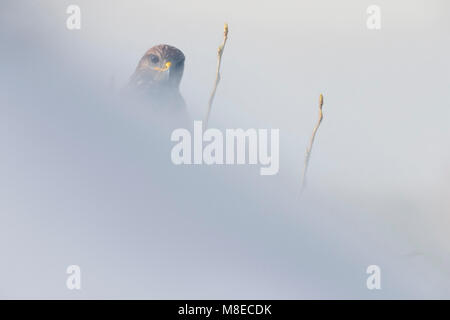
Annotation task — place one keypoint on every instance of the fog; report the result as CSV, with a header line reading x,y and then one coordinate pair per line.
x,y
86,181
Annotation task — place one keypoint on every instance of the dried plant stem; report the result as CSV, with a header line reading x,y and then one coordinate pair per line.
x,y
311,143
216,82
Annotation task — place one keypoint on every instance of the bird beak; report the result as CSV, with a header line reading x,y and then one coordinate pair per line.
x,y
163,73
165,68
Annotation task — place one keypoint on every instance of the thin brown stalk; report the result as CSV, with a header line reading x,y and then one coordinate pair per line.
x,y
311,143
216,82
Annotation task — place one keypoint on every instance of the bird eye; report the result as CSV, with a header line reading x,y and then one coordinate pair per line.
x,y
154,59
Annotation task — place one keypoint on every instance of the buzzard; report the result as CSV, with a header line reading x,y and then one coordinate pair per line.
x,y
157,77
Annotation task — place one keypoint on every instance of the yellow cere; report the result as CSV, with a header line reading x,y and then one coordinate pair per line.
x,y
166,67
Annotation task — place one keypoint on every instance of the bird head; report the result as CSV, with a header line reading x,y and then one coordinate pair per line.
x,y
159,70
